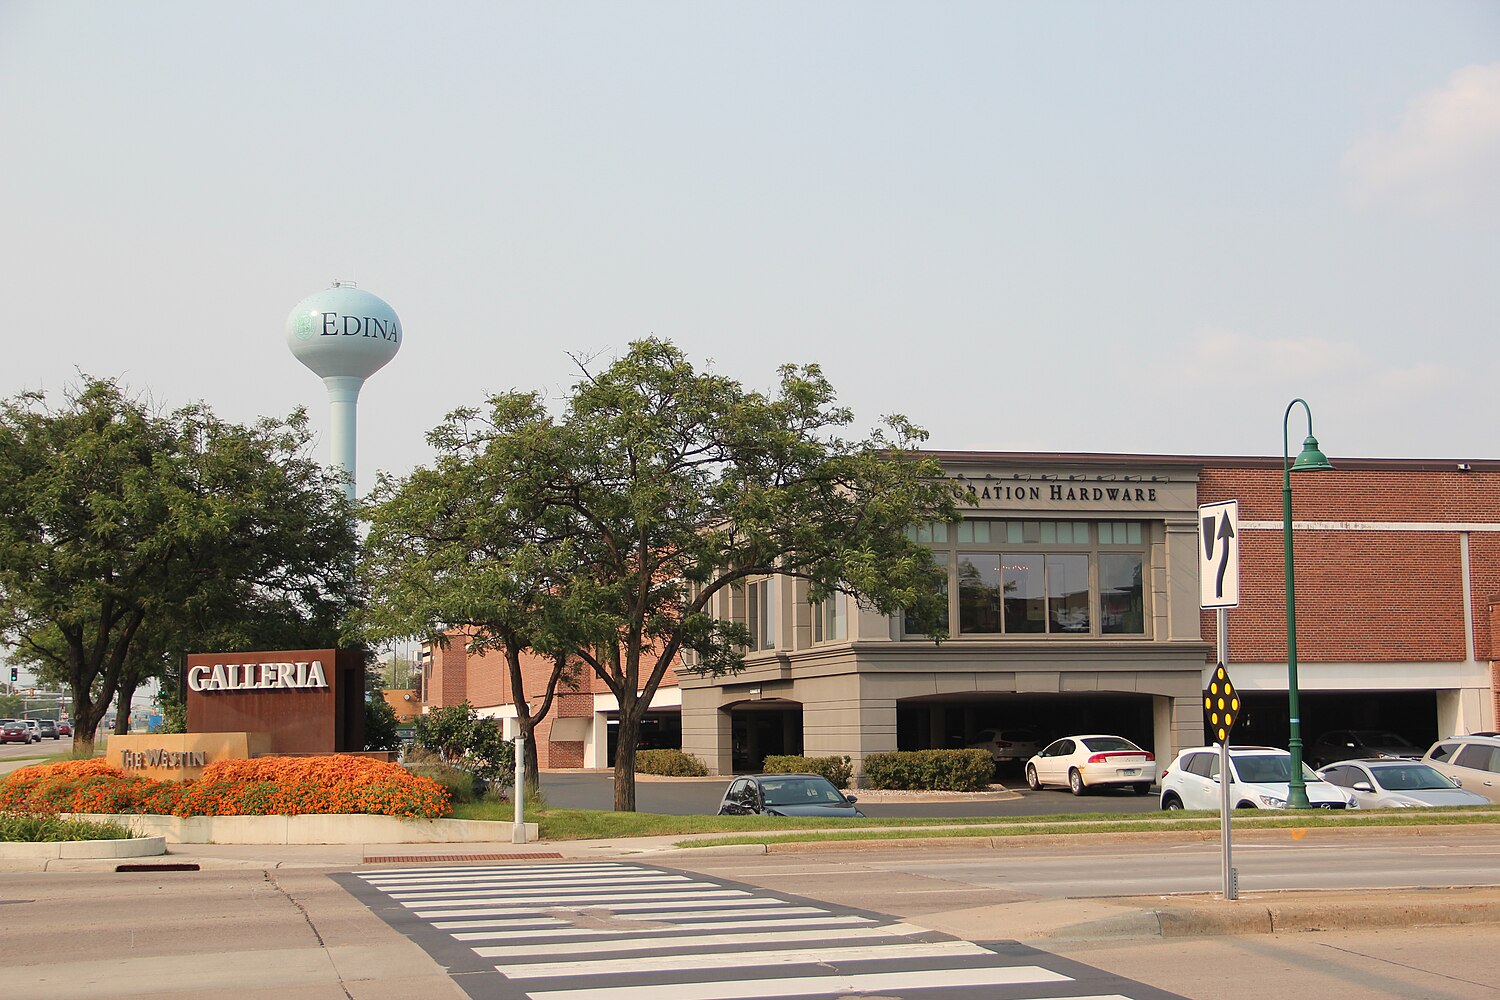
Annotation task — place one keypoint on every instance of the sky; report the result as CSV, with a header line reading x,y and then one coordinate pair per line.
x,y
1105,227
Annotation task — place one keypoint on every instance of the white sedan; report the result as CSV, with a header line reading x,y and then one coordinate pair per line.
x,y
1084,762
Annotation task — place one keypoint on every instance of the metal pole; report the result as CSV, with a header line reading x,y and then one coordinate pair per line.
x,y
1296,797
518,792
1231,884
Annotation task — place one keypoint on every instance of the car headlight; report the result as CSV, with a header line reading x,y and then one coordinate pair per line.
x,y
1272,801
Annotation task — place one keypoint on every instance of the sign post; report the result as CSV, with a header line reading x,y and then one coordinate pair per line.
x,y
518,792
1219,588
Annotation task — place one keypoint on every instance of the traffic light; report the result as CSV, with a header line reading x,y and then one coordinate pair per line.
x,y
14,675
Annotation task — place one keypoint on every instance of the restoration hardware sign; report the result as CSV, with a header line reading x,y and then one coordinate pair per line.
x,y
257,676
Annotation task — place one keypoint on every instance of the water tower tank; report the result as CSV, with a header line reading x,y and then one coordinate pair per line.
x,y
345,335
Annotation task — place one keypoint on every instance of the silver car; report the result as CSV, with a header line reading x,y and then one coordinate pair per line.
x,y
1397,784
1473,762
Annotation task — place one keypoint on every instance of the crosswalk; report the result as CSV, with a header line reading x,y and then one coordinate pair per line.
x,y
619,931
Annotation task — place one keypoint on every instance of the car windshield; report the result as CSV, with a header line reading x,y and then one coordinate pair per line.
x,y
1104,744
800,792
1269,768
1411,778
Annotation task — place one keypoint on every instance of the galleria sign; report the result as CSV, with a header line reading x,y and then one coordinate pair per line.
x,y
257,676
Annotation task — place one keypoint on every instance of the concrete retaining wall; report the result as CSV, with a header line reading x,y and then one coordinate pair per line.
x,y
135,847
328,828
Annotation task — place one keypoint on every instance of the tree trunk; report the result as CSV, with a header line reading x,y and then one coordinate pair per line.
x,y
122,708
527,727
630,735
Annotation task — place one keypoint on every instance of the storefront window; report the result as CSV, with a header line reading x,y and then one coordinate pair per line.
x,y
1122,609
1068,593
830,620
979,593
941,559
760,613
1025,597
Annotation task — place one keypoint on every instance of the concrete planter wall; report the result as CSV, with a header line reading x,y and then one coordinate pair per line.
x,y
135,847
328,828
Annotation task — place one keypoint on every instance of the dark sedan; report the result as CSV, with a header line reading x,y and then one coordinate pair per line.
x,y
786,795
1347,744
47,728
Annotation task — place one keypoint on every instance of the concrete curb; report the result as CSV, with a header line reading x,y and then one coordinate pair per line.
x,y
133,847
316,829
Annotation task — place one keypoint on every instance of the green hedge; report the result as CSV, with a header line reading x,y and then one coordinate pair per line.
x,y
836,769
941,770
674,763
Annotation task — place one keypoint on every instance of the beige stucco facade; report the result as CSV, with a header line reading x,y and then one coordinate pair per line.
x,y
856,692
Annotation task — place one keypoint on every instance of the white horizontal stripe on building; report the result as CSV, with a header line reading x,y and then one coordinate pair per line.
x,y
1445,526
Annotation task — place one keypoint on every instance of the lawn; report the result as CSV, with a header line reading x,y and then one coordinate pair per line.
x,y
593,824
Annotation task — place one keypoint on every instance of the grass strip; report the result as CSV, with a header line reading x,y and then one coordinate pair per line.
x,y
1034,826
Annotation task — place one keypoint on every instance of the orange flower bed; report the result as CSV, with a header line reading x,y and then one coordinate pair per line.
x,y
264,786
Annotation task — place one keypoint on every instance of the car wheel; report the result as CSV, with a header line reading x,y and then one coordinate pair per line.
x,y
1075,782
1142,788
1172,803
1031,778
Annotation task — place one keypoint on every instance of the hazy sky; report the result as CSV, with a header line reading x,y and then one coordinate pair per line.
x,y
1137,227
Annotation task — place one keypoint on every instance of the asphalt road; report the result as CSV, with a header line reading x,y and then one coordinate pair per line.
x,y
701,796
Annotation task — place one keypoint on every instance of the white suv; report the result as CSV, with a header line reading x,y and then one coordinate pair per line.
x,y
1261,778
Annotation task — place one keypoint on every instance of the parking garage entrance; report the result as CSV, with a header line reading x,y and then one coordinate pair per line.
x,y
1411,714
761,729
945,722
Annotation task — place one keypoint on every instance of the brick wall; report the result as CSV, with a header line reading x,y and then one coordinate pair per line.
x,y
1362,596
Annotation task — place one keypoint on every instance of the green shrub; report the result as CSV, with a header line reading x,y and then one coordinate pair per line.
x,y
34,828
670,762
459,781
836,769
938,770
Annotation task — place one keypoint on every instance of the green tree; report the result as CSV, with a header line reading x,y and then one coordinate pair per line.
x,y
129,537
660,485
455,554
380,723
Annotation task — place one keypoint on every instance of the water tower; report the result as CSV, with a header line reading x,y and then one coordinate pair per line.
x,y
345,335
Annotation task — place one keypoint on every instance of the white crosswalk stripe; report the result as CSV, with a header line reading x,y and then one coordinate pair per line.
x,y
616,931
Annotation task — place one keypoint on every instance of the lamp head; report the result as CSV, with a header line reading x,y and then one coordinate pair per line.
x,y
1311,459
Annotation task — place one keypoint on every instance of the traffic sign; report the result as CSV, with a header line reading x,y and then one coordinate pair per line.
x,y
1221,706
1219,554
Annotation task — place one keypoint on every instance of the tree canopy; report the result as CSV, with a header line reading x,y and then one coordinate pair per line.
x,y
129,536
657,487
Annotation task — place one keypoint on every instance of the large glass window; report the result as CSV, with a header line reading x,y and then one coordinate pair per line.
x,y
941,559
979,593
760,613
1068,593
1025,593
830,621
1122,605
1062,578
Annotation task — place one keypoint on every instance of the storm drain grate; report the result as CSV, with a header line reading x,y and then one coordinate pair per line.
x,y
386,859
181,866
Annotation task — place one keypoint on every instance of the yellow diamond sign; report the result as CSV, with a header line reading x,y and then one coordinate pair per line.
x,y
1221,706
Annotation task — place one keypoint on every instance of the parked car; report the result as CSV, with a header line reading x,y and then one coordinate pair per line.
x,y
47,728
1473,762
12,731
786,795
1384,783
1261,778
1084,762
1348,744
1007,746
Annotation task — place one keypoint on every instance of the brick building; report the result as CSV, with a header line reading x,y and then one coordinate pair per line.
x,y
579,730
1074,607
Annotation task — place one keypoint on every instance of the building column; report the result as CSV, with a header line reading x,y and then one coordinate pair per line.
x,y
707,730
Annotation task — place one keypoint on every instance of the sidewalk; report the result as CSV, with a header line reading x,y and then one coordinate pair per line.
x,y
1038,921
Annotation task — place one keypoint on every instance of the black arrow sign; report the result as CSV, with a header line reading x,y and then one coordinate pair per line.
x,y
1225,533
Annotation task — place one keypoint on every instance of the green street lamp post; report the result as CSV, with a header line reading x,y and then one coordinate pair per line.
x,y
1310,460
